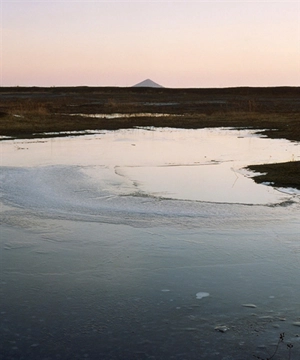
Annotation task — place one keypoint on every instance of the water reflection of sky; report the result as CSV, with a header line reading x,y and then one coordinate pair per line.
x,y
114,275
203,165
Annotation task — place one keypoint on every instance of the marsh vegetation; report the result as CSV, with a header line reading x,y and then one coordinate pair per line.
x,y
273,112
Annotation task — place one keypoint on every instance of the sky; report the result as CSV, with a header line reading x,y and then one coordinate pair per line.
x,y
178,44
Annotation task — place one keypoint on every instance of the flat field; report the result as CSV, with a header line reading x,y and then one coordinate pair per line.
x,y
274,112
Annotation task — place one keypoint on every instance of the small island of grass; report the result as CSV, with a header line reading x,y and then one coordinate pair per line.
x,y
286,175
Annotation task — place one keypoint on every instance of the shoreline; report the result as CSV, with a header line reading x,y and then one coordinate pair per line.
x,y
272,112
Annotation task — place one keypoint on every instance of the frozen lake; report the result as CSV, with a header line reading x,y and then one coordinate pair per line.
x,y
139,244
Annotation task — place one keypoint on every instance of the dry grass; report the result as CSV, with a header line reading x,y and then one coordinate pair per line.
x,y
280,175
26,108
241,107
24,112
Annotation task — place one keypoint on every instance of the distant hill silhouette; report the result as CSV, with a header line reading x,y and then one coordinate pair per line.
x,y
148,83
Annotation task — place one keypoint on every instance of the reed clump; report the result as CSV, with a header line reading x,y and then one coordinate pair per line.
x,y
280,343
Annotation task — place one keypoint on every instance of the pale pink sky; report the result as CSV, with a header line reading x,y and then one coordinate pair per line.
x,y
175,43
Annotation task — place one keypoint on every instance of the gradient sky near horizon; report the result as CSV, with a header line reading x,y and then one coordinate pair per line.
x,y
174,43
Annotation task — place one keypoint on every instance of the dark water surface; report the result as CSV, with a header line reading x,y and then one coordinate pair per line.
x,y
100,261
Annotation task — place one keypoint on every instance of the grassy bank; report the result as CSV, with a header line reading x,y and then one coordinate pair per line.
x,y
286,175
275,112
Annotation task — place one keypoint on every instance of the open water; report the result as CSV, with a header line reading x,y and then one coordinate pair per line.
x,y
147,244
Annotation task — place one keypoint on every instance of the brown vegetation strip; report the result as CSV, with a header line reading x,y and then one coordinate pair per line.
x,y
280,175
275,112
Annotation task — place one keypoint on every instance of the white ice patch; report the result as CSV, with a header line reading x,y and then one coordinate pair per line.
x,y
170,173
201,295
289,191
120,115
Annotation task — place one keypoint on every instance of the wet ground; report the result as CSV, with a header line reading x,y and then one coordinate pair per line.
x,y
25,111
52,112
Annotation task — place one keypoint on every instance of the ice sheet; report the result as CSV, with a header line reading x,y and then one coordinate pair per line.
x,y
201,165
107,240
